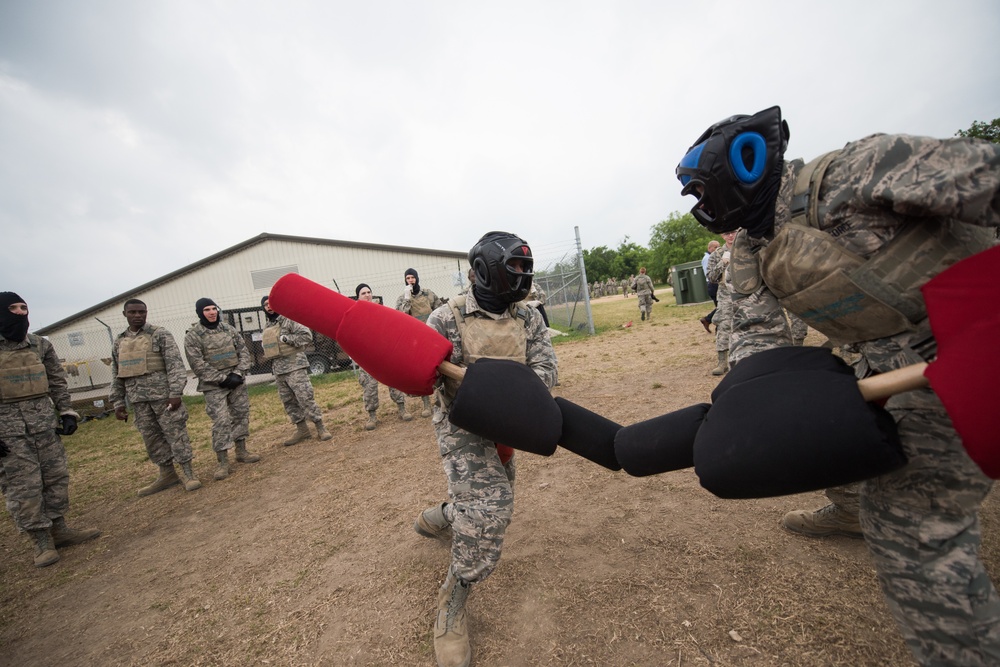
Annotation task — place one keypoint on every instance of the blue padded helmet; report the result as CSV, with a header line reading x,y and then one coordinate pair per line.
x,y
729,167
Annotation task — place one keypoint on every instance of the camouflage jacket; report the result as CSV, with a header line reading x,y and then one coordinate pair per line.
x,y
36,415
539,353
874,190
643,284
298,336
195,351
153,386
403,304
716,272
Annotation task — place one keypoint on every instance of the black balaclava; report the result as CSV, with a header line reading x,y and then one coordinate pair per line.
x,y
489,301
12,327
200,305
416,285
357,290
270,316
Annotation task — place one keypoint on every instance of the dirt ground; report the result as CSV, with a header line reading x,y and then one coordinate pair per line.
x,y
309,557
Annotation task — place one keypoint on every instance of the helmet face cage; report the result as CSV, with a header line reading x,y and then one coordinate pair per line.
x,y
491,261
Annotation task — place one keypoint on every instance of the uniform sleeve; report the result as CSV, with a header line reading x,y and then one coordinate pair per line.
x,y
58,385
117,396
436,301
242,354
298,335
443,321
716,269
176,372
540,355
758,324
403,304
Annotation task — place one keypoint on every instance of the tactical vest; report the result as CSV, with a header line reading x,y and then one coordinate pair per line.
x,y
487,338
136,356
843,295
22,375
273,347
219,349
420,306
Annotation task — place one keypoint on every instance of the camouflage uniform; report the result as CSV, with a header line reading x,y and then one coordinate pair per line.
x,y
921,522
33,475
480,488
290,368
798,328
369,387
644,290
418,305
163,431
212,359
717,274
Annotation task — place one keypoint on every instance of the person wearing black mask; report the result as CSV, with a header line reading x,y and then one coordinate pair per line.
x,y
34,477
489,322
219,358
419,303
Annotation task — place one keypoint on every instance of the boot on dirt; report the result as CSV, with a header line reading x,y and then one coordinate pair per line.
x,y
372,421
433,524
64,536
243,455
191,482
321,431
707,323
301,433
45,550
403,414
451,636
826,521
426,412
222,471
166,479
642,313
723,366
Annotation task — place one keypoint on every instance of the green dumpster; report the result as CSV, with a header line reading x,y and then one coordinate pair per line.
x,y
690,285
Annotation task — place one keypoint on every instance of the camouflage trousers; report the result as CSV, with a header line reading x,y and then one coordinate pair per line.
x,y
846,497
229,410
646,303
163,431
481,499
34,479
723,321
296,394
798,326
921,524
369,392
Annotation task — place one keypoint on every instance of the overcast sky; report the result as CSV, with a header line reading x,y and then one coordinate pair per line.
x,y
138,137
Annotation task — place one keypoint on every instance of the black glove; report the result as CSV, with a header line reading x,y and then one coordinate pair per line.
x,y
655,299
232,381
68,425
3,449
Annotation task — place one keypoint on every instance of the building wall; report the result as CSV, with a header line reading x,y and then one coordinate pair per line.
x,y
239,281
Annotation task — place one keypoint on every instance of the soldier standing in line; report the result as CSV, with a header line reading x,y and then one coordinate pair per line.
x,y
644,290
34,478
285,342
148,371
717,274
418,303
846,242
220,360
369,384
487,323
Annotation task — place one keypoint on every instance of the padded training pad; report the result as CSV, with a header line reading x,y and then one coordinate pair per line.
x,y
303,301
505,401
660,444
588,434
793,432
395,349
781,360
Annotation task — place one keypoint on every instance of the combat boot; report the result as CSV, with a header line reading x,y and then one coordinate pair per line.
x,y
166,479
707,323
723,366
432,523
64,536
372,421
191,482
222,470
426,412
244,456
451,635
642,314
321,431
826,521
301,433
45,550
403,414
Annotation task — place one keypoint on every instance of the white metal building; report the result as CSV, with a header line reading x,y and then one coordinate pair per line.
x,y
236,278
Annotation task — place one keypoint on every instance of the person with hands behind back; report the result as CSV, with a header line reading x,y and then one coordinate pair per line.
x,y
419,303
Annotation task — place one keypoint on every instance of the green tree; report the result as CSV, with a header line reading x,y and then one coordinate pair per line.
x,y
676,240
980,130
598,262
628,259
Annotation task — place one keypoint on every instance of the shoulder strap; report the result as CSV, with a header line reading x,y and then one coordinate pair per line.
x,y
804,208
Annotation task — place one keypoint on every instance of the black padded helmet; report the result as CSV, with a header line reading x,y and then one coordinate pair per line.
x,y
490,260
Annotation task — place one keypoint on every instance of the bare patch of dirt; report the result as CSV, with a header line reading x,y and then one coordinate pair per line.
x,y
309,557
